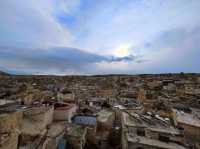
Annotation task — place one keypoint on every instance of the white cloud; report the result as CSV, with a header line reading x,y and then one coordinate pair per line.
x,y
66,6
119,28
31,23
112,66
112,23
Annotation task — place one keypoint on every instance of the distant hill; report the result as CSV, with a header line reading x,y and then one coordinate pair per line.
x,y
4,73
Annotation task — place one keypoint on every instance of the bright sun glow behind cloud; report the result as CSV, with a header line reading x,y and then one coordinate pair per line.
x,y
122,50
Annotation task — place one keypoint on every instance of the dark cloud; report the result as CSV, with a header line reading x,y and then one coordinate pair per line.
x,y
52,60
129,58
125,58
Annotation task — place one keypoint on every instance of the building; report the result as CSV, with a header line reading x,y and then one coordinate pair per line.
x,y
98,127
190,123
55,138
66,96
130,104
105,121
10,123
34,126
89,122
64,111
147,97
145,131
75,136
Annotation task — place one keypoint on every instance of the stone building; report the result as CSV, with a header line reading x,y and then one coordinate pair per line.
x,y
66,96
64,111
147,132
55,138
10,123
75,136
105,121
147,97
34,126
90,123
190,123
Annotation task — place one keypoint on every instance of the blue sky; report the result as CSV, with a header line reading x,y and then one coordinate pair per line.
x,y
99,36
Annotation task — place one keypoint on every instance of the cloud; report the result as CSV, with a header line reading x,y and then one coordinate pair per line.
x,y
66,7
31,23
105,25
114,67
57,60
105,36
129,58
174,50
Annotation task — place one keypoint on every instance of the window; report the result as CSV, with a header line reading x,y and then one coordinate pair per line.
x,y
140,132
99,143
163,138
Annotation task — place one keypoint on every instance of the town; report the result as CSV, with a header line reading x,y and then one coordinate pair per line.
x,y
151,111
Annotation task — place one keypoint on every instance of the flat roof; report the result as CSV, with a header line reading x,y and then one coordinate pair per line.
x,y
36,110
189,119
76,131
155,143
84,120
4,101
56,129
104,115
166,130
157,127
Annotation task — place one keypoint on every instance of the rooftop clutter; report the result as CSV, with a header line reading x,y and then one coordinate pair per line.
x,y
103,112
150,131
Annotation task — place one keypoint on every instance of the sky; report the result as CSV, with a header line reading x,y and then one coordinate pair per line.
x,y
72,37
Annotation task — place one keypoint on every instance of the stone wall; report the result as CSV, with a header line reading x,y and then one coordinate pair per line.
x,y
9,129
